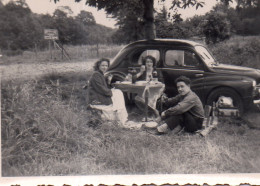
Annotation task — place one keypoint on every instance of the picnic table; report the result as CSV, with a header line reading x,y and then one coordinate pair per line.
x,y
149,92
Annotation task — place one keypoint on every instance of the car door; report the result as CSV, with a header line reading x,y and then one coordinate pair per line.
x,y
182,62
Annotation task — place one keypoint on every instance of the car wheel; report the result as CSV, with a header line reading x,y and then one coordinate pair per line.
x,y
227,92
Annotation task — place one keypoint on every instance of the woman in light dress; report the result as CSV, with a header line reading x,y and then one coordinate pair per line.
x,y
110,101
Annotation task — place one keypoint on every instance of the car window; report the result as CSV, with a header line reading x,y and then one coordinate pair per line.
x,y
140,54
174,58
205,55
181,58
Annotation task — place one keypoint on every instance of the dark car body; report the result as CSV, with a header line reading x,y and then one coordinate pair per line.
x,y
210,80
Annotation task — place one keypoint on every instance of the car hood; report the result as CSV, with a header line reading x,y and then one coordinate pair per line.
x,y
238,70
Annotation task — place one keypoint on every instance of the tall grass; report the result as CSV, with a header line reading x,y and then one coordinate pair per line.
x,y
76,53
47,130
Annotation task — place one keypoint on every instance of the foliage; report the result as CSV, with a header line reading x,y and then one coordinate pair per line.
x,y
242,51
86,18
141,10
20,30
175,27
216,27
23,29
219,24
244,20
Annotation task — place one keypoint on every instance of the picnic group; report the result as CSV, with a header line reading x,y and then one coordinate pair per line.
x,y
183,112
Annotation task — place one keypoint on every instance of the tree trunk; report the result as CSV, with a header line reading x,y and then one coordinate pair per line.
x,y
149,27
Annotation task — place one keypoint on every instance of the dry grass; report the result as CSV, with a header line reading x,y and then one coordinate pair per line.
x,y
76,53
47,130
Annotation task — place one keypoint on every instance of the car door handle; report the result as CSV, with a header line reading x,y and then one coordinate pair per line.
x,y
199,75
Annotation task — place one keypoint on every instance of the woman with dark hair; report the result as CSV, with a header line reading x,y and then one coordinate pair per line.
x,y
110,101
99,92
147,69
147,73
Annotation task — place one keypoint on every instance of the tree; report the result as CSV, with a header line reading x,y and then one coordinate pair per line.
x,y
113,7
86,18
216,27
21,29
163,26
244,19
129,23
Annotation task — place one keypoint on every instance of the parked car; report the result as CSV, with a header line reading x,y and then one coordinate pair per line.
x,y
210,79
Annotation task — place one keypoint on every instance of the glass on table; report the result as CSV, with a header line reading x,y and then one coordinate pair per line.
x,y
155,79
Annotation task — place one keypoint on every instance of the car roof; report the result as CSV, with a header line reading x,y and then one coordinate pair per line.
x,y
181,42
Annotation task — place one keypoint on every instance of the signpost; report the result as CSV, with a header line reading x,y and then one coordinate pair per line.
x,y
51,35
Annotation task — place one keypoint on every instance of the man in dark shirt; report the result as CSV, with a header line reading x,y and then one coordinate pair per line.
x,y
185,111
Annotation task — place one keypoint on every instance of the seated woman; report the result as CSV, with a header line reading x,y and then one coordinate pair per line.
x,y
147,73
110,101
147,69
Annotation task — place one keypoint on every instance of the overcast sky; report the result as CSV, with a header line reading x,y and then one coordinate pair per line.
x,y
48,6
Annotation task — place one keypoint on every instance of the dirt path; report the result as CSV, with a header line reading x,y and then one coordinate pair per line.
x,y
26,71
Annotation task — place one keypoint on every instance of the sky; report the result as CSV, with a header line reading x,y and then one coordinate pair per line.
x,y
48,6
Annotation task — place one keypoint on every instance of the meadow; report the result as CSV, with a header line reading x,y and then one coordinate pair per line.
x,y
46,129
75,53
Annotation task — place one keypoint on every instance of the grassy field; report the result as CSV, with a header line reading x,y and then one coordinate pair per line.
x,y
46,129
76,53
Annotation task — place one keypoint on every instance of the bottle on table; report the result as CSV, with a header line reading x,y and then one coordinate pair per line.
x,y
134,76
155,76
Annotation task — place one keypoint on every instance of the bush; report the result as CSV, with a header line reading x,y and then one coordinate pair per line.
x,y
242,51
216,28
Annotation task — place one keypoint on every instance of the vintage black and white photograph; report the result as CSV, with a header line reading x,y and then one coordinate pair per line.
x,y
129,87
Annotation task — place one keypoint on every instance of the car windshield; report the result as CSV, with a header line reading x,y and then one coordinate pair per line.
x,y
205,55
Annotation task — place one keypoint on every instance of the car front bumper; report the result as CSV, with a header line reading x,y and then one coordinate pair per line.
x,y
256,96
257,103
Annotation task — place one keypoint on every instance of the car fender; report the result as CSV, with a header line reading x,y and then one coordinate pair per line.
x,y
242,85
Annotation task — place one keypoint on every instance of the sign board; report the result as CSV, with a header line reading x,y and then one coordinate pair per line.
x,y
51,34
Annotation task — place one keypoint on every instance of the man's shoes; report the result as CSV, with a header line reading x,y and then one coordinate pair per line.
x,y
155,132
158,119
163,129
177,130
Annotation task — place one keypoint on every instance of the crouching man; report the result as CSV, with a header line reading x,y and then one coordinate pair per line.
x,y
185,111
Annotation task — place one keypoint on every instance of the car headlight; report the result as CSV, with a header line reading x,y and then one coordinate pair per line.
x,y
254,83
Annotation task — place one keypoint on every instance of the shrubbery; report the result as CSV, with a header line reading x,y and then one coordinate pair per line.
x,y
242,51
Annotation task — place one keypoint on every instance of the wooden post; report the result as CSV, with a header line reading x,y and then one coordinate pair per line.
x,y
62,51
50,48
35,49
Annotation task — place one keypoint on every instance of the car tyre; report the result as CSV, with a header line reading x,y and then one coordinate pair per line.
x,y
227,92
